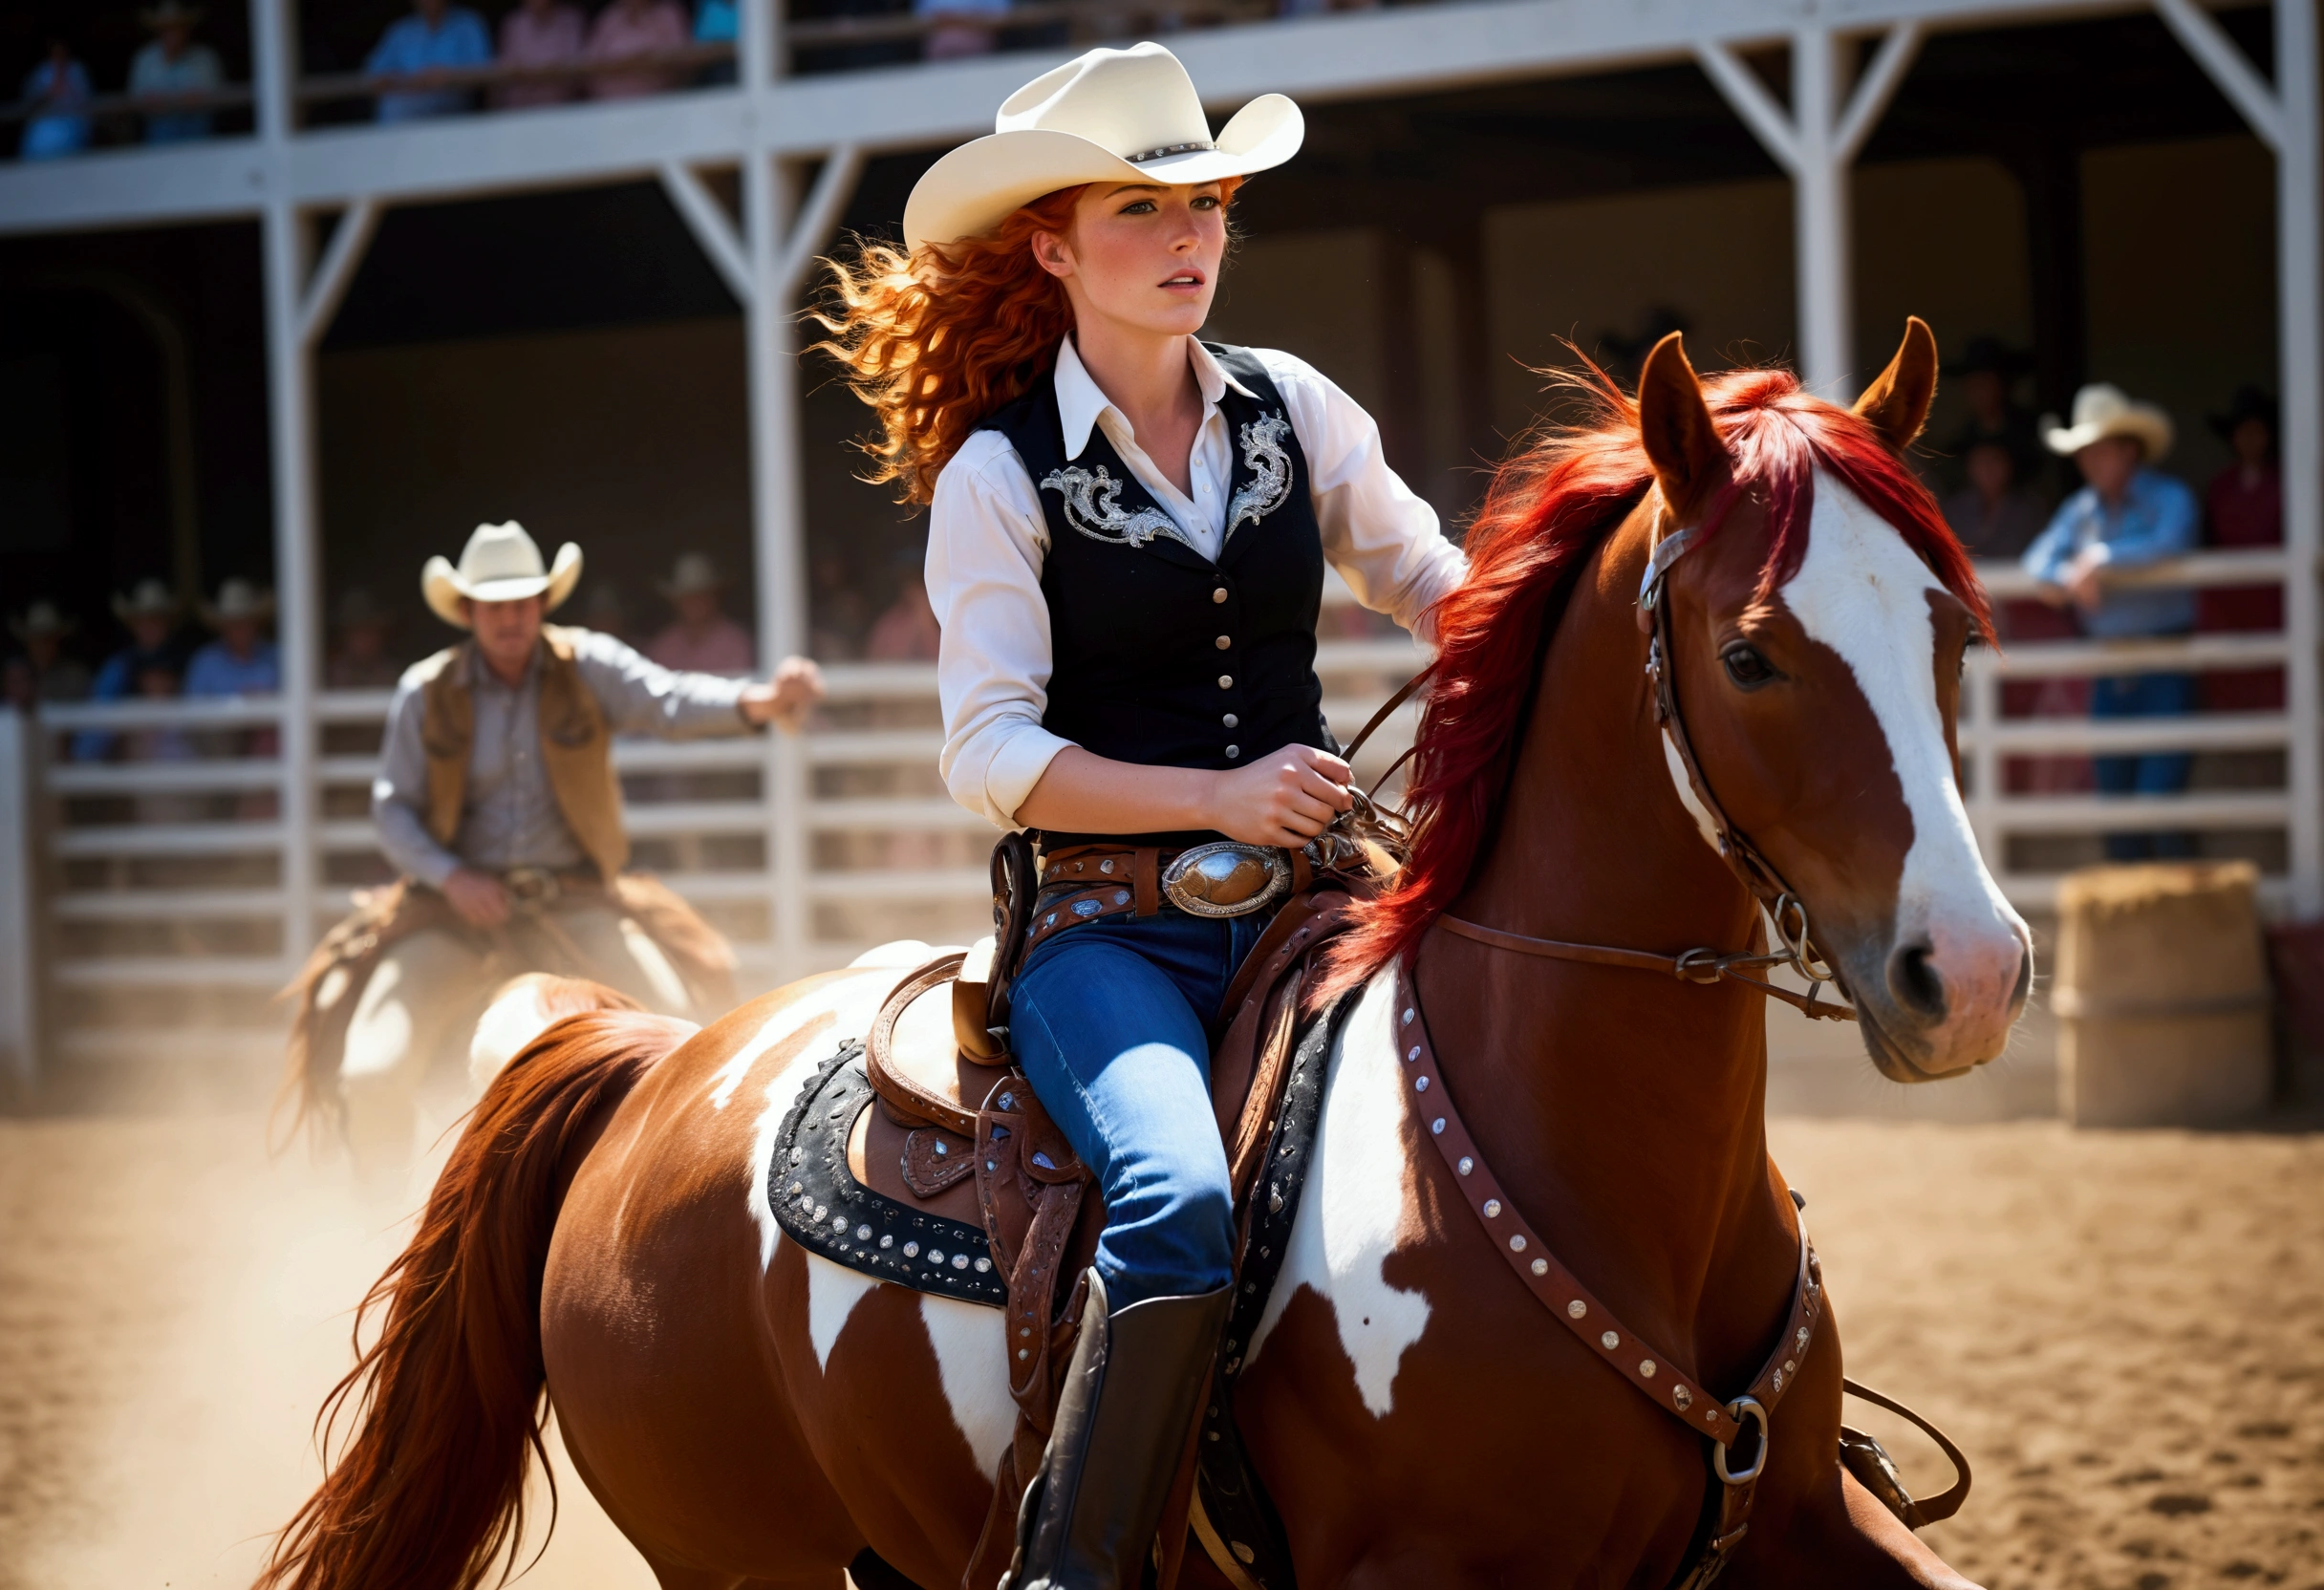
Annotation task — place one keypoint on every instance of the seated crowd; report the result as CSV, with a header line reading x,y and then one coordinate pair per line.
x,y
2119,512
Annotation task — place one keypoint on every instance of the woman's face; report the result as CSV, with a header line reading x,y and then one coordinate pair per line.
x,y
1144,256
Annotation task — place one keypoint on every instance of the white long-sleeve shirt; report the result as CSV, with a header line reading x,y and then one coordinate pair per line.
x,y
988,538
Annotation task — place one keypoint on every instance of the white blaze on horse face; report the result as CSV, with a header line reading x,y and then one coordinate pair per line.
x,y
1862,592
1355,1205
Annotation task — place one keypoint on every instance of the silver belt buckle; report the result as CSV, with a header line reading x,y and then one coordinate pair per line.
x,y
1226,878
531,885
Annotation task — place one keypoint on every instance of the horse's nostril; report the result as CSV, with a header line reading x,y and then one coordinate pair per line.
x,y
2025,976
1915,983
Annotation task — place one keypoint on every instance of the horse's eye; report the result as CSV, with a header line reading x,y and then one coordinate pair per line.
x,y
1745,667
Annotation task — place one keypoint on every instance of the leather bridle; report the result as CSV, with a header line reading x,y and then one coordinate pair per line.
x,y
1702,965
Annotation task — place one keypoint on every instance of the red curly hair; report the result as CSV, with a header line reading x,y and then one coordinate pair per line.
x,y
1545,513
935,341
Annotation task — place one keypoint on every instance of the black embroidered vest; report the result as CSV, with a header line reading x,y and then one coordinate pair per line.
x,y
1159,655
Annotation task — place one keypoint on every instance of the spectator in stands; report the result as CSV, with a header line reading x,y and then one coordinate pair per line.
x,y
2245,507
241,661
703,640
1986,374
951,40
718,22
628,28
170,64
837,613
1993,515
42,672
906,631
149,613
539,32
2128,514
57,94
157,681
361,660
438,36
603,609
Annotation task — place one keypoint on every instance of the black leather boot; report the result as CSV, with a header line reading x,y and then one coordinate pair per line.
x,y
1088,1519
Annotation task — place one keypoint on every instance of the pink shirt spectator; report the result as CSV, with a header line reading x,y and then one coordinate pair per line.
x,y
539,35
908,631
629,28
721,647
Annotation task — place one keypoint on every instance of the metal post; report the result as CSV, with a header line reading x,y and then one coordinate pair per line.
x,y
19,906
769,199
290,402
2299,271
1821,217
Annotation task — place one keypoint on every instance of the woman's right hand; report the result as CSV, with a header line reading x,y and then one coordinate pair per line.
x,y
1286,798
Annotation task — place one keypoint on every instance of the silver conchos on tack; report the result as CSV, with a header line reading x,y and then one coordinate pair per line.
x,y
1226,878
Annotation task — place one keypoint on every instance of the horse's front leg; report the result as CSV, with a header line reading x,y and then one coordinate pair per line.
x,y
1839,1534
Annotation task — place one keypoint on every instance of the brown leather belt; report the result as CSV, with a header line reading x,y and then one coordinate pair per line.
x,y
1083,883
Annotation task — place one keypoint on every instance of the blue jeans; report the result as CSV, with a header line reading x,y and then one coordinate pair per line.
x,y
1110,1021
2149,772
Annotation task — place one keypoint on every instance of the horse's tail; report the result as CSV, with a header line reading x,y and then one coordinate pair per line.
x,y
447,1405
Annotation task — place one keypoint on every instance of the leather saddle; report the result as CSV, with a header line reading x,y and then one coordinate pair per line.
x,y
921,1156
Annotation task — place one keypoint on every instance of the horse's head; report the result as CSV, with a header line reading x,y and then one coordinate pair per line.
x,y
1818,623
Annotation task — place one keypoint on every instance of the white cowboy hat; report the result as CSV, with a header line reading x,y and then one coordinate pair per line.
x,y
42,617
2101,410
694,571
238,599
150,599
500,564
1120,116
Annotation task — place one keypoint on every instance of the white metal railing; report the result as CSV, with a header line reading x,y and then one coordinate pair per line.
x,y
166,903
1989,741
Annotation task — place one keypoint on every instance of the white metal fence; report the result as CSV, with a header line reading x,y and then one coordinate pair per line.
x,y
146,909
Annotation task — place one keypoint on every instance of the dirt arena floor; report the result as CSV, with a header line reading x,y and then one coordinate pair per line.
x,y
2126,1330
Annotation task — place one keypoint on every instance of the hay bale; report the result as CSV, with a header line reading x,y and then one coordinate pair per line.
x,y
2161,996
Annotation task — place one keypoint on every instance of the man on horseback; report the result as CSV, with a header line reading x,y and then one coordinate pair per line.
x,y
498,804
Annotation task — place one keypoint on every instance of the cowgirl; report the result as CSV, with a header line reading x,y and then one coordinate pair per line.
x,y
1127,534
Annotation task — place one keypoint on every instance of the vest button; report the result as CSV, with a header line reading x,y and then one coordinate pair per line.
x,y
1223,642
1226,681
1234,751
1229,720
1219,595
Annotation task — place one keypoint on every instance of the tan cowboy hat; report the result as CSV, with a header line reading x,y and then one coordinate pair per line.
x,y
42,617
149,599
500,564
2101,410
694,571
1121,116
238,599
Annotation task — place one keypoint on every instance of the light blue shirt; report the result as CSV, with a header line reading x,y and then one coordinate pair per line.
x,y
717,22
215,671
49,136
411,45
2157,520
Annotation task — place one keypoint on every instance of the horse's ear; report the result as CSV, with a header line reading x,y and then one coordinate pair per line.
x,y
1675,424
1896,404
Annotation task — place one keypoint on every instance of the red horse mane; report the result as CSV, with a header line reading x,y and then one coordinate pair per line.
x,y
1546,510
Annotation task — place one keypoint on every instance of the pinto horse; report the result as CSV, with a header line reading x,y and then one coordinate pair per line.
x,y
750,1415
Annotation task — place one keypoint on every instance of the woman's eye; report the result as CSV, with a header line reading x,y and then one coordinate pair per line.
x,y
1206,200
1745,667
1139,207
